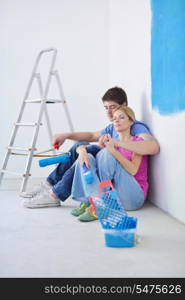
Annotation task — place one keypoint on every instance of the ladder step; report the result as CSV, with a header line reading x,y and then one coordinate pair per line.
x,y
14,173
47,100
19,148
27,124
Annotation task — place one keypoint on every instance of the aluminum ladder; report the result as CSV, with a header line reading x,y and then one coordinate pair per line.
x,y
43,100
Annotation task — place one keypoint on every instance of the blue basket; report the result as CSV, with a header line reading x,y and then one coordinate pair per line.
x,y
119,229
121,236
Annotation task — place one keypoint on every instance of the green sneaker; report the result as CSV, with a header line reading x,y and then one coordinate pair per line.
x,y
80,210
88,215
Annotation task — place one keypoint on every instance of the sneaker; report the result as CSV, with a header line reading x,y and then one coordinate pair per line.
x,y
41,200
80,210
88,215
38,189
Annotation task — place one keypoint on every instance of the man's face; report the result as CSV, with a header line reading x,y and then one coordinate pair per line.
x,y
109,108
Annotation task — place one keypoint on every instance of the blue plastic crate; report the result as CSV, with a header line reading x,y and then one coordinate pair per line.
x,y
119,228
121,236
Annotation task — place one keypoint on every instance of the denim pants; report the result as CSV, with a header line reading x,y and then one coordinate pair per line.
x,y
61,178
105,167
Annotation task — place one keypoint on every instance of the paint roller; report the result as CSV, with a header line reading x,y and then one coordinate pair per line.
x,y
63,158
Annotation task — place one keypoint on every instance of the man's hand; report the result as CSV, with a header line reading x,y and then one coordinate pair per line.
x,y
103,139
59,139
110,144
83,156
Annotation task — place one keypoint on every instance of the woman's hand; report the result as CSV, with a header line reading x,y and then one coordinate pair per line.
x,y
106,138
83,156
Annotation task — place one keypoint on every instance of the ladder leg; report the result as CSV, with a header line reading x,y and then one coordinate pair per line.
x,y
65,104
4,165
34,140
48,125
24,183
12,139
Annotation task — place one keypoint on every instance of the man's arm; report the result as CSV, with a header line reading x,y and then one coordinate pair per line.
x,y
149,145
76,136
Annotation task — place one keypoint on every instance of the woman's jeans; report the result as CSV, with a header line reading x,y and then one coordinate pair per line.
x,y
105,167
62,177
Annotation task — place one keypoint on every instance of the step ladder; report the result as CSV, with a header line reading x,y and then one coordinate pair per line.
x,y
43,101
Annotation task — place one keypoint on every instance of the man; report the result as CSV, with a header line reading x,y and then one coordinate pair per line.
x,y
58,184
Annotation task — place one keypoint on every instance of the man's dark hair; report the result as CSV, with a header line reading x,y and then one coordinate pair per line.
x,y
115,94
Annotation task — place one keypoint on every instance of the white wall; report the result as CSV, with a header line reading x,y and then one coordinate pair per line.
x,y
130,49
80,32
168,188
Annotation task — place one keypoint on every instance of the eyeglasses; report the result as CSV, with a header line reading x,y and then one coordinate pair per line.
x,y
111,107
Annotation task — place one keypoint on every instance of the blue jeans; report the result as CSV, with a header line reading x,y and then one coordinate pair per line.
x,y
61,178
106,167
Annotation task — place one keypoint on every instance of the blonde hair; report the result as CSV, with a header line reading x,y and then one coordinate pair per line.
x,y
127,110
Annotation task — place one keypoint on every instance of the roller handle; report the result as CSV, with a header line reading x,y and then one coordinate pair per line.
x,y
56,146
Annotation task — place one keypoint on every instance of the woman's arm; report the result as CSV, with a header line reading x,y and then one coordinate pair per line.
x,y
131,166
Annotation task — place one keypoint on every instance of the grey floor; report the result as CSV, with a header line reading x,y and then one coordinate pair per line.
x,y
49,242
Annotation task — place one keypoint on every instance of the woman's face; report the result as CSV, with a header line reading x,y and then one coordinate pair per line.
x,y
121,121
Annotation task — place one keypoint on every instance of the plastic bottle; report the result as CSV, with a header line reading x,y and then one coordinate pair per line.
x,y
88,176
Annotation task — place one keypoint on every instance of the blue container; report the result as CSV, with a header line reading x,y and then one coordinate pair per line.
x,y
119,237
123,235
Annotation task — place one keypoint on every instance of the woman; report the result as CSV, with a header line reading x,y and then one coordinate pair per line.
x,y
127,170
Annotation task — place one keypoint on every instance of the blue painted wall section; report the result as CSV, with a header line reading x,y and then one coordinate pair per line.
x,y
168,56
